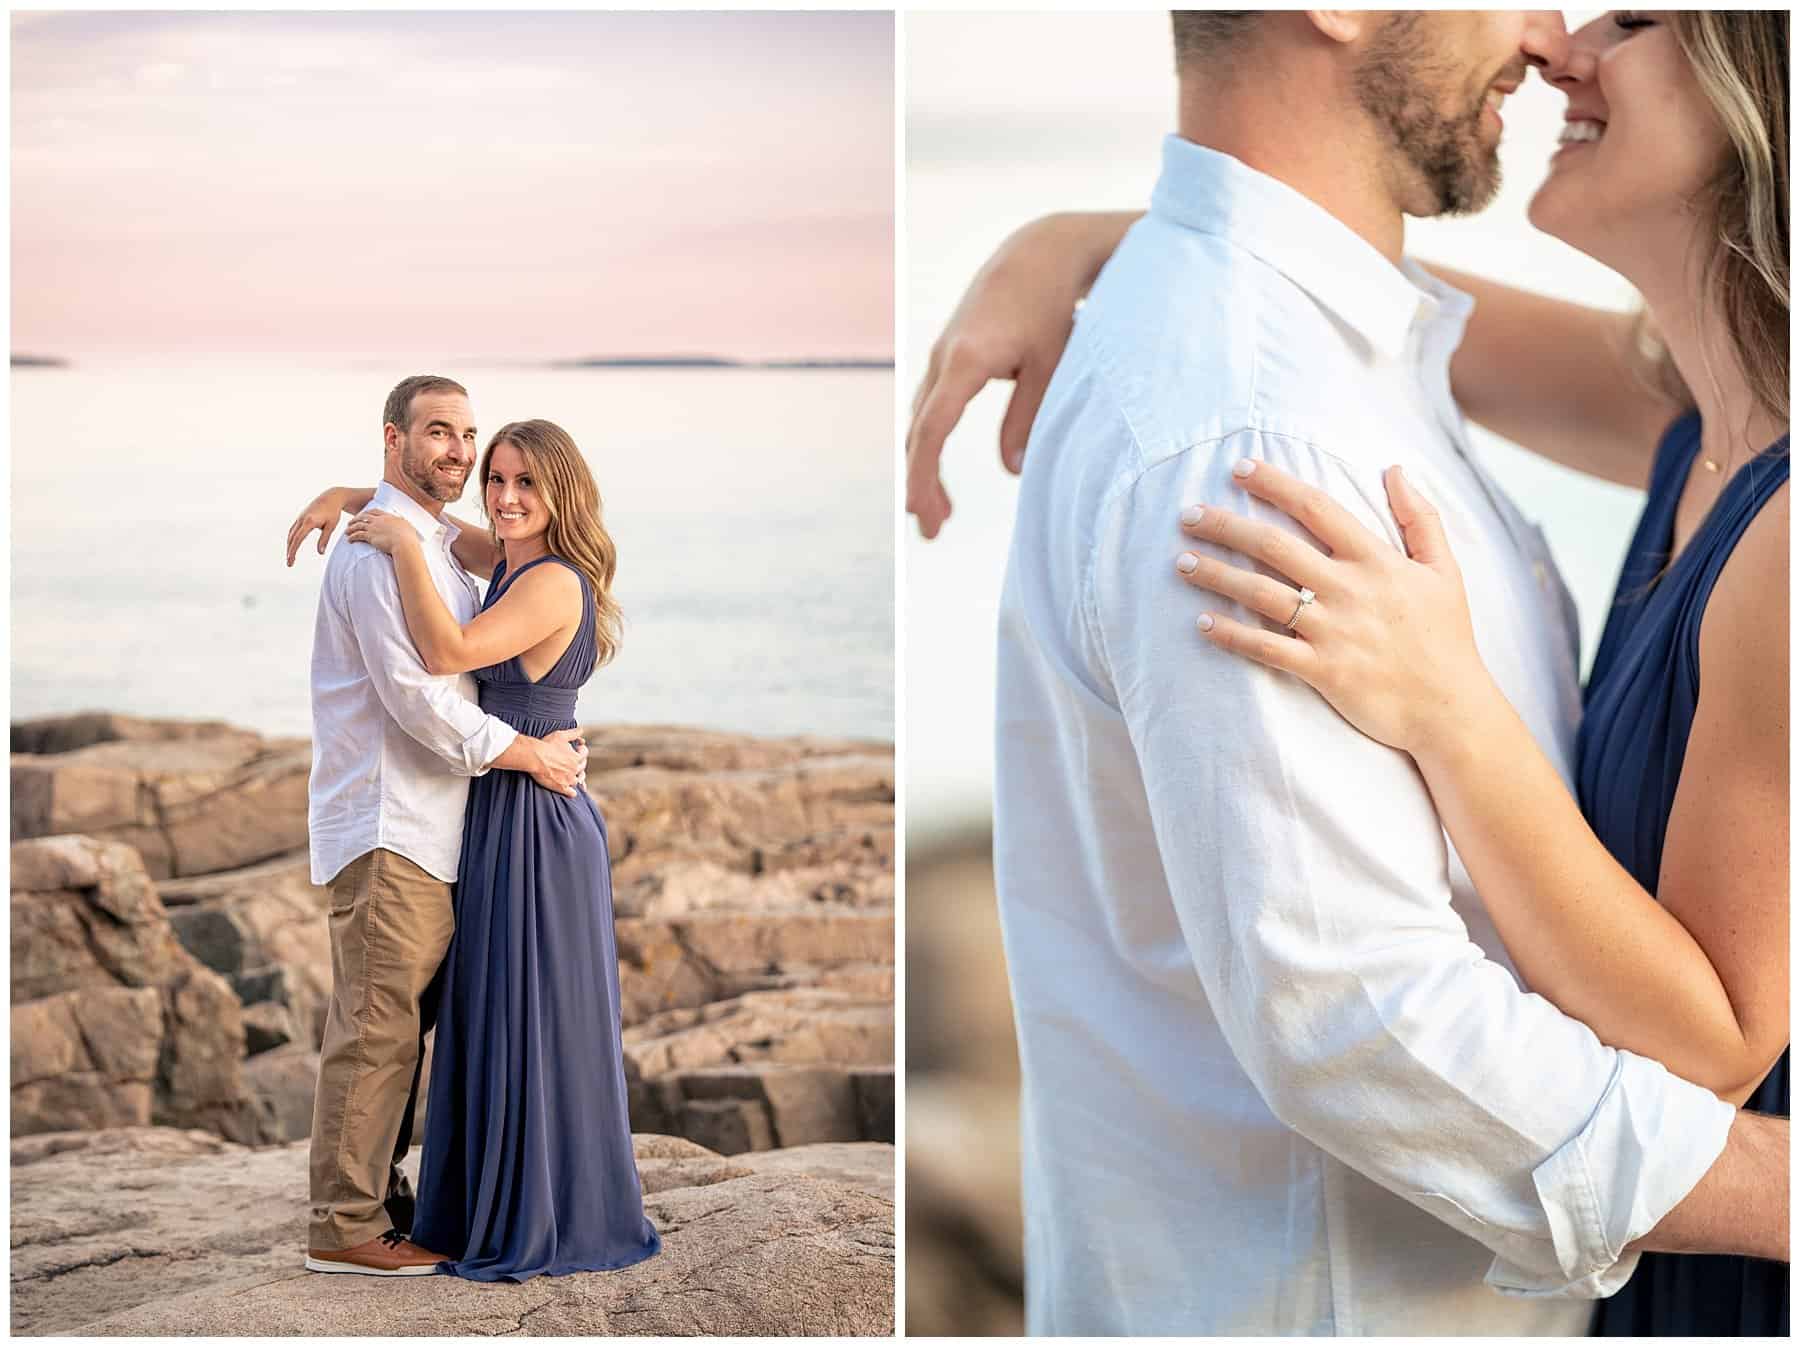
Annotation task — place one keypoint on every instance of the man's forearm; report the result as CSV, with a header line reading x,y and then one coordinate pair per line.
x,y
557,763
1740,1206
523,754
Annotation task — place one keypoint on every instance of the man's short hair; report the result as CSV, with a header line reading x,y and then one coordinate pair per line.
x,y
398,411
1204,34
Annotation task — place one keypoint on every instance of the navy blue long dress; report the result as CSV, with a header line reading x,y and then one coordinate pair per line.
x,y
1639,708
527,1166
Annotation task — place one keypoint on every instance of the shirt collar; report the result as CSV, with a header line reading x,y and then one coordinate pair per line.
x,y
395,501
1441,300
1214,193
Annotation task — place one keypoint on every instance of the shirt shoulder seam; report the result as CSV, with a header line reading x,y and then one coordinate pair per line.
x,y
1127,484
1089,609
354,566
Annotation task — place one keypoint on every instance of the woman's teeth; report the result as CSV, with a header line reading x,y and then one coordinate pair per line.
x,y
1576,132
1495,98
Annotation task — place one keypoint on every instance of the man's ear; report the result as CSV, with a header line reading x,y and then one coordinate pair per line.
x,y
1340,25
390,438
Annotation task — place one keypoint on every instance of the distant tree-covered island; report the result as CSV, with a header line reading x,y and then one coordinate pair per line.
x,y
825,364
38,361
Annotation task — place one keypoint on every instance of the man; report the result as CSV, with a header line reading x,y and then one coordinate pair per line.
x,y
1262,1052
393,749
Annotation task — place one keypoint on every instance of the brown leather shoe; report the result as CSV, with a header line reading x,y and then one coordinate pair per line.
x,y
389,1255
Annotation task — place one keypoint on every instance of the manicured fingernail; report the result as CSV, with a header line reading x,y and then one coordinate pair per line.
x,y
1205,623
1243,467
1193,515
1186,562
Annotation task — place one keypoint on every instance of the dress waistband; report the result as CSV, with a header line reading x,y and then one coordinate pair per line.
x,y
529,699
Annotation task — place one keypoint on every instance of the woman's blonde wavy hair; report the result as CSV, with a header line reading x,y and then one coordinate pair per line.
x,y
576,532
1740,58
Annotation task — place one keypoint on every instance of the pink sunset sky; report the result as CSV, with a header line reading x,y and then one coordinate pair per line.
x,y
505,185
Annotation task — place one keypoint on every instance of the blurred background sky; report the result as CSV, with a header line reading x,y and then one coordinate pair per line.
x,y
473,184
1010,116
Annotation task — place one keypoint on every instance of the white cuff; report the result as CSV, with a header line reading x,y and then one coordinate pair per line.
x,y
1650,1140
487,743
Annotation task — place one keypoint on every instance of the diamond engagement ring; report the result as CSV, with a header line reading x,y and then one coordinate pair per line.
x,y
1306,597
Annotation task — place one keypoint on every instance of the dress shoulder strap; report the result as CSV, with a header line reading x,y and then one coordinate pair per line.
x,y
500,571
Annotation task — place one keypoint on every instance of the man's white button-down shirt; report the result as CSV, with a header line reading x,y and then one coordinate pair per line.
x,y
1278,1074
393,745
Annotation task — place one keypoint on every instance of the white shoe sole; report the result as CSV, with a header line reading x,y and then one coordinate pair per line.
x,y
328,1265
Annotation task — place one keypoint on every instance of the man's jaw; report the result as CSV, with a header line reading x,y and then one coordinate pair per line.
x,y
441,481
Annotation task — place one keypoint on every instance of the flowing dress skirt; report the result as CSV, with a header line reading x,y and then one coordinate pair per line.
x,y
527,1166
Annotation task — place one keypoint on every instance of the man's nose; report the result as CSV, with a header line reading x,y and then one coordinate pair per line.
x,y
1544,42
1576,64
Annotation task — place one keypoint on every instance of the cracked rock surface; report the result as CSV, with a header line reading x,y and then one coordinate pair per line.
x,y
113,1021
135,1231
190,804
753,891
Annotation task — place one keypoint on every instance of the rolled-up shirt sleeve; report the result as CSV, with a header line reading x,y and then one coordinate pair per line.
x,y
427,706
1310,873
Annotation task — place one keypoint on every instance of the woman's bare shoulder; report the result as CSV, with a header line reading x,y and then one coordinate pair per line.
x,y
1761,554
1744,635
553,587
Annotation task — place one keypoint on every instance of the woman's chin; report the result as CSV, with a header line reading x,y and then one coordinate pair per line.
x,y
1548,211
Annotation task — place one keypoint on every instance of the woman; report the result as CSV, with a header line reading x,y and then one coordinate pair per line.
x,y
1656,910
527,1166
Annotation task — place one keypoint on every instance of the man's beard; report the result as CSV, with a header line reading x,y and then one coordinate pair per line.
x,y
419,469
1396,85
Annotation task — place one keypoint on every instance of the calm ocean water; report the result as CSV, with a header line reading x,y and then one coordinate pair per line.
x,y
753,510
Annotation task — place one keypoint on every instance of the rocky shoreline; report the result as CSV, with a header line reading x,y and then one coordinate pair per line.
x,y
171,962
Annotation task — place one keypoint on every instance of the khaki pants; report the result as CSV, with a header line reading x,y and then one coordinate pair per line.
x,y
390,925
